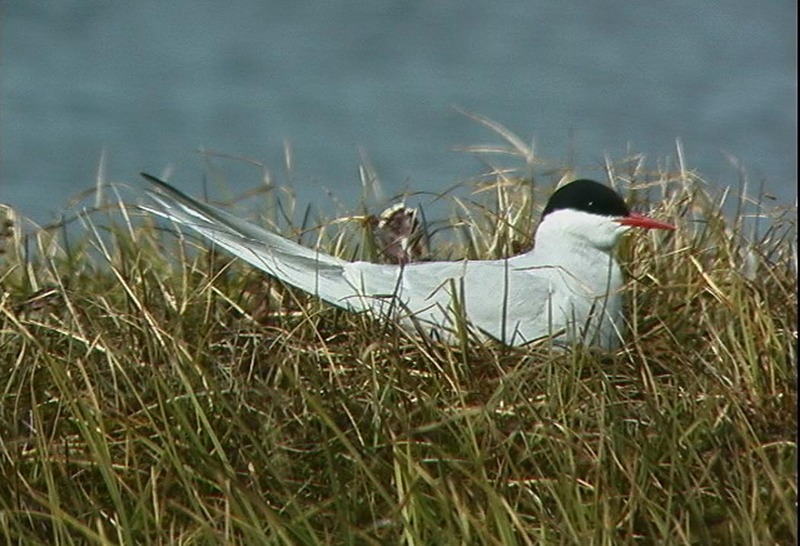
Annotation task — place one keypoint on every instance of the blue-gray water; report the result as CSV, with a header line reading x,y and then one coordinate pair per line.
x,y
151,82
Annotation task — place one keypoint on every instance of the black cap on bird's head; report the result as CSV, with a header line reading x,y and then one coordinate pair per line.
x,y
595,198
587,196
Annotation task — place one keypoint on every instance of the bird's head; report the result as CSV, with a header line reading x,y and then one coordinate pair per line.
x,y
587,212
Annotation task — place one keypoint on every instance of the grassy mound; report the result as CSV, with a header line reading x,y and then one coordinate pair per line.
x,y
154,392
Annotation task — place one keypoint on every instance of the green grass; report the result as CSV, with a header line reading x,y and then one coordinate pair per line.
x,y
154,393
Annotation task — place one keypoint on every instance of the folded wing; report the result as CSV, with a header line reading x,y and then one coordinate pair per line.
x,y
498,298
314,272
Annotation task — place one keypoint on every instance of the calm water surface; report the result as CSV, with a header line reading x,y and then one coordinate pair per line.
x,y
151,83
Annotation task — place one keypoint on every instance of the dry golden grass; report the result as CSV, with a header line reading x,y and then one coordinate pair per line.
x,y
157,394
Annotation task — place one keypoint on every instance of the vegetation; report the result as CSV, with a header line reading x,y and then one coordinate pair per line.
x,y
155,392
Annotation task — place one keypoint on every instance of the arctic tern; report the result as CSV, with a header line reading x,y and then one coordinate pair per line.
x,y
567,289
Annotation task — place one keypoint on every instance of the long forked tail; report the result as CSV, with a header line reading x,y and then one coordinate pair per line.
x,y
314,272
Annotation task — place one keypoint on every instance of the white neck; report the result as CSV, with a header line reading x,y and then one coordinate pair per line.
x,y
580,248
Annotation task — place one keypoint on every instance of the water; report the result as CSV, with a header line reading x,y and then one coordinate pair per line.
x,y
150,83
